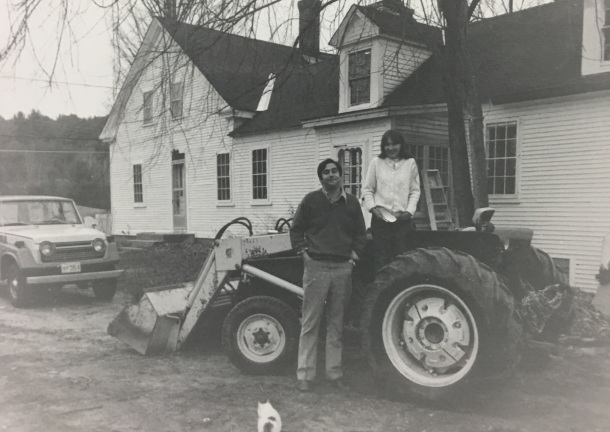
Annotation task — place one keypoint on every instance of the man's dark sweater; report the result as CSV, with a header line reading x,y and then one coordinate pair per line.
x,y
328,231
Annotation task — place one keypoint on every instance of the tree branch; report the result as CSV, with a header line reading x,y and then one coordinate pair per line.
x,y
472,8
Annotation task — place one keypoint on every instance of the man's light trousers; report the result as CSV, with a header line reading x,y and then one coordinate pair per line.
x,y
331,282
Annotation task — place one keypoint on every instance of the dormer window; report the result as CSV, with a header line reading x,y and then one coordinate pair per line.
x,y
359,76
606,30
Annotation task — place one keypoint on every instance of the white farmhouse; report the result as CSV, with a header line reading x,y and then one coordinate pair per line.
x,y
210,126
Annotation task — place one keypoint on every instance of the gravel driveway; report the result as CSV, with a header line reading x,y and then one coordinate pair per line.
x,y
61,372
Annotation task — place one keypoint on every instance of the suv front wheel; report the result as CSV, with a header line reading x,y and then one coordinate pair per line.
x,y
105,289
18,290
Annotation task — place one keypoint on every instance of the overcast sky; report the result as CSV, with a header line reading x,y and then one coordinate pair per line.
x,y
82,82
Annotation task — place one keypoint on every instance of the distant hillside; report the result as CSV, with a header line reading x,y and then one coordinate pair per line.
x,y
63,157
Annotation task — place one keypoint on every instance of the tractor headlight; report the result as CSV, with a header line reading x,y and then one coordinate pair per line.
x,y
99,245
47,248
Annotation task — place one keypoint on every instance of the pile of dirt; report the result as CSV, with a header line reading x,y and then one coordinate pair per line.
x,y
161,264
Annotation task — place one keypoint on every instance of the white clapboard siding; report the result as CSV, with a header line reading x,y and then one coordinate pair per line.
x,y
563,178
292,158
197,134
360,28
363,134
423,130
399,60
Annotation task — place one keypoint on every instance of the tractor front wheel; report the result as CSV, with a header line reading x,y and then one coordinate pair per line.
x,y
261,335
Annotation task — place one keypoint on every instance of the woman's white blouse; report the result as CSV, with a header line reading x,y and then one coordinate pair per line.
x,y
393,185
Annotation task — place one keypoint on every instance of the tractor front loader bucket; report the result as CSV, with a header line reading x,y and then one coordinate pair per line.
x,y
152,325
157,322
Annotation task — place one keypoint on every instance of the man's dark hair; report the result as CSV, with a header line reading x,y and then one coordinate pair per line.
x,y
326,162
396,137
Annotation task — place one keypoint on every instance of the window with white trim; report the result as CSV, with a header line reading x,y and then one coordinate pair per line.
x,y
350,159
223,176
138,188
176,91
417,151
438,159
260,172
147,107
502,158
606,31
359,77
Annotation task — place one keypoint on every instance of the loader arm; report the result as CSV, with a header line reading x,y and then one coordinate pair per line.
x,y
164,318
227,257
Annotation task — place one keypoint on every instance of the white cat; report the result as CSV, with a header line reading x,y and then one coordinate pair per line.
x,y
268,418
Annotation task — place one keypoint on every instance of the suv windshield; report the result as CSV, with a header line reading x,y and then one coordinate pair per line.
x,y
43,212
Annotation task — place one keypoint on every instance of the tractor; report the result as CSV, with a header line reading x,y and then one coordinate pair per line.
x,y
453,309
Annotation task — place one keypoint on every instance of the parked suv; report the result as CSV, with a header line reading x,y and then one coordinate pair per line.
x,y
45,245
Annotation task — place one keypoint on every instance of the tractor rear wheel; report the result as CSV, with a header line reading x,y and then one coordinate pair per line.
x,y
261,335
434,320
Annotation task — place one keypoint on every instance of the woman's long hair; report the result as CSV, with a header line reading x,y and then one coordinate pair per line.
x,y
396,137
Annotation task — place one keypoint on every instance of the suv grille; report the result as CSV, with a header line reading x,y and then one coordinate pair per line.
x,y
73,251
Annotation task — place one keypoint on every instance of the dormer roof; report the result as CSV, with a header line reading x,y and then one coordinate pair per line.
x,y
399,25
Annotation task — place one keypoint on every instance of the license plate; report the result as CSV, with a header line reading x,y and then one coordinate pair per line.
x,y
73,267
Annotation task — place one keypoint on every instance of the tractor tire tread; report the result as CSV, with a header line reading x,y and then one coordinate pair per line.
x,y
281,312
491,302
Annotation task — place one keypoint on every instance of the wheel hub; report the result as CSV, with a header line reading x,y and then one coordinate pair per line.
x,y
430,335
432,332
261,338
13,285
435,332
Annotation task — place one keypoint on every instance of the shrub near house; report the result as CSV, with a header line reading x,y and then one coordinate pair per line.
x,y
44,244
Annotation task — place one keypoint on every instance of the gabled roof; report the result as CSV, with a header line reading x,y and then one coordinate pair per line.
x,y
237,67
531,54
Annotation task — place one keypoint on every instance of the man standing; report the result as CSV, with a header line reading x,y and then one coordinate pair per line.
x,y
328,231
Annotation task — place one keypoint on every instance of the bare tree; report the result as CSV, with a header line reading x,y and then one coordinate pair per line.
x,y
127,18
464,108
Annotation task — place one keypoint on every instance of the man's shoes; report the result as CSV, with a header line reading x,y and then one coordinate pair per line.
x,y
304,386
338,384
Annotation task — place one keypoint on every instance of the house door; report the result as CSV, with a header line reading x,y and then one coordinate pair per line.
x,y
179,195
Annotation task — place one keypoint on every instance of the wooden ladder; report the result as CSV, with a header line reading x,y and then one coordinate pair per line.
x,y
436,201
